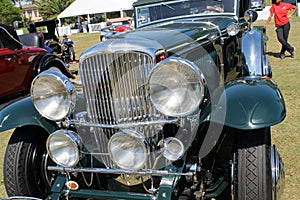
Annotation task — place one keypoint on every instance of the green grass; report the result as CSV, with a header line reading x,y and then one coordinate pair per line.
x,y
285,135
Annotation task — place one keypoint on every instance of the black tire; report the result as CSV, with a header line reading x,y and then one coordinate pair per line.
x,y
72,53
25,164
252,169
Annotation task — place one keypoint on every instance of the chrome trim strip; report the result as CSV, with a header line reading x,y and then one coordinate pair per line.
x,y
116,126
120,171
21,197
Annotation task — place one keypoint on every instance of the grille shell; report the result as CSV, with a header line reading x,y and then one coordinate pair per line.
x,y
115,89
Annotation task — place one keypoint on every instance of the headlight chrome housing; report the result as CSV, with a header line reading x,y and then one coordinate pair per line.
x,y
173,149
64,148
176,87
128,150
53,95
65,47
233,29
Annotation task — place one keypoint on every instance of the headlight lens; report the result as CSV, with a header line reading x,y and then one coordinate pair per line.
x,y
128,150
64,148
233,29
53,95
173,149
65,47
176,87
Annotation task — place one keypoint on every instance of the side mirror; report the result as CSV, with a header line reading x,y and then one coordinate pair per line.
x,y
251,15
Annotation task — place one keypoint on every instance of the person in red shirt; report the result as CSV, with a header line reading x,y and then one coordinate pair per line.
x,y
280,11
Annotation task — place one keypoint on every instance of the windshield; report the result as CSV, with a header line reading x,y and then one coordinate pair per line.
x,y
165,10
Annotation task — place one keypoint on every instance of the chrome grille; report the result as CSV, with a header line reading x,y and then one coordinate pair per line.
x,y
116,92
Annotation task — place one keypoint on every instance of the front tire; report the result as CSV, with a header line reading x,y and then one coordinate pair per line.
x,y
252,168
25,164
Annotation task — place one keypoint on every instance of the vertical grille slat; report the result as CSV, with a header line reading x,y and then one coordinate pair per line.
x,y
114,85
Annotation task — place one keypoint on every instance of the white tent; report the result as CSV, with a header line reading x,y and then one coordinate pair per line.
x,y
87,7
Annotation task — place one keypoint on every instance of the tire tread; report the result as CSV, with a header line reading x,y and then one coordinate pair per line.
x,y
253,166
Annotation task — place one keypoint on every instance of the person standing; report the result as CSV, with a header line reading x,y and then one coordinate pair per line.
x,y
280,11
66,40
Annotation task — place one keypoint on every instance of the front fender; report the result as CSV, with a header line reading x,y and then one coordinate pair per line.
x,y
249,103
50,60
23,113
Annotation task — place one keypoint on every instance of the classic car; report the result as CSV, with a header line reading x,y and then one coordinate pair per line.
x,y
49,29
179,108
20,63
114,26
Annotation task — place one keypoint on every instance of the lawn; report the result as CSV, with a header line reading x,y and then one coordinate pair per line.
x,y
285,135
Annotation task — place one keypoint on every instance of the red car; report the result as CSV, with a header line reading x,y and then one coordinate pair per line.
x,y
115,26
121,24
19,64
122,28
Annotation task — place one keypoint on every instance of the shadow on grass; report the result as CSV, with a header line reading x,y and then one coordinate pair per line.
x,y
276,54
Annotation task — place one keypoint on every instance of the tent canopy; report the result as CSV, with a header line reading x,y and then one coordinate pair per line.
x,y
86,7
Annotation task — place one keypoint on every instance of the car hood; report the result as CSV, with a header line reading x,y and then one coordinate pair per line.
x,y
171,36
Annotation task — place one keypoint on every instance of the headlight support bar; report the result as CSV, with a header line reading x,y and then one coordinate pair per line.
x,y
119,171
122,126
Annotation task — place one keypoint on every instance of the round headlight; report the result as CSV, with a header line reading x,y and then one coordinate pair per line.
x,y
176,87
128,150
53,95
64,148
65,47
233,29
173,149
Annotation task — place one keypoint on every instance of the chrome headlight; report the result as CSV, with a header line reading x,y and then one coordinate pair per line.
x,y
53,95
173,149
64,148
176,87
64,47
128,150
233,29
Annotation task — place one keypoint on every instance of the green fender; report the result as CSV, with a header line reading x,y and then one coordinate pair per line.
x,y
248,103
23,113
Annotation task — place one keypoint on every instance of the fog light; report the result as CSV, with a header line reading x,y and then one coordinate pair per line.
x,y
64,148
128,150
173,149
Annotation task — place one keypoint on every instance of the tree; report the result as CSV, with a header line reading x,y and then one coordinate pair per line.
x,y
20,6
49,9
8,12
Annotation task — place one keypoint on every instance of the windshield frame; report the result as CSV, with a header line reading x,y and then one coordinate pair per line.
x,y
168,4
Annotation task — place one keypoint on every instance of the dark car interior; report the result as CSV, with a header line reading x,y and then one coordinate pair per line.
x,y
7,41
32,39
48,27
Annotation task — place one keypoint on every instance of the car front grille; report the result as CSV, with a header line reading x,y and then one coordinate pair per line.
x,y
115,88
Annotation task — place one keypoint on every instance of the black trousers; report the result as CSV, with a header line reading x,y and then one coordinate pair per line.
x,y
282,36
